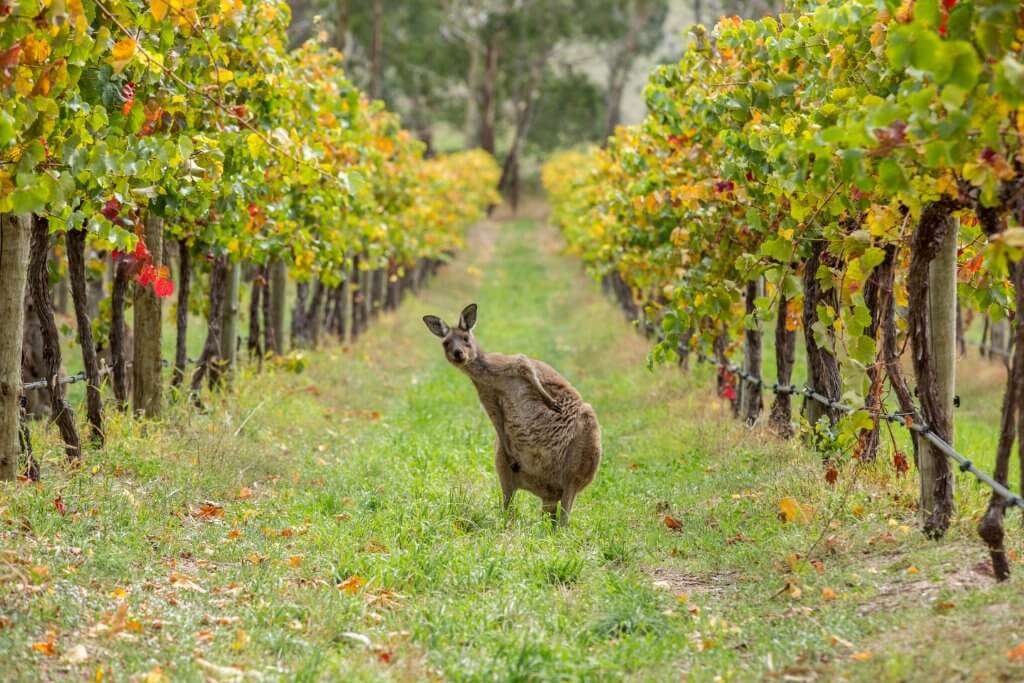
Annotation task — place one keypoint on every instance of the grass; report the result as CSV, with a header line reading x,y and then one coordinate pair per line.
x,y
345,524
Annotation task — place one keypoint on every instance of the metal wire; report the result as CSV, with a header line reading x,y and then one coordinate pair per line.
x,y
81,377
914,425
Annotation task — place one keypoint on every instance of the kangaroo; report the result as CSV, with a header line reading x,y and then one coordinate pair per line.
x,y
548,439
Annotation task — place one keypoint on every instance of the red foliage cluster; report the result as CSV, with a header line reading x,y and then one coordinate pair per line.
x,y
144,272
726,384
128,95
947,5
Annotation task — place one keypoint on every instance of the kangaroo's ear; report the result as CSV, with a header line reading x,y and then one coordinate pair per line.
x,y
436,325
467,321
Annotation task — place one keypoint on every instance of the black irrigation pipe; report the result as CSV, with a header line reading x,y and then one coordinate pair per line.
x,y
915,425
80,376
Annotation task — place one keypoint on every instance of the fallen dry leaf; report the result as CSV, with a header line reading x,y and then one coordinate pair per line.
x,y
208,510
244,493
46,647
1016,654
862,656
788,509
352,584
828,594
672,523
295,561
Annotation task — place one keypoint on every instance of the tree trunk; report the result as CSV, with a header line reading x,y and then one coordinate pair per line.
x,y
983,351
376,49
345,308
229,319
14,239
869,438
300,329
268,327
991,526
886,273
341,32
474,84
752,400
278,294
315,320
488,95
823,371
209,360
118,355
961,339
781,419
254,344
931,284
147,389
509,169
74,240
181,315
38,281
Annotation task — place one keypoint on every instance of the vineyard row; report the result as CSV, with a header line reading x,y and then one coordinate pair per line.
x,y
159,148
851,170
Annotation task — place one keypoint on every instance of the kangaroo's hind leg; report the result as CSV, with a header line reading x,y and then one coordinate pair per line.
x,y
506,475
568,497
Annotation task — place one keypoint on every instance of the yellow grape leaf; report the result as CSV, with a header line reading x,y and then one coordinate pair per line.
x,y
225,75
268,11
255,144
122,54
158,8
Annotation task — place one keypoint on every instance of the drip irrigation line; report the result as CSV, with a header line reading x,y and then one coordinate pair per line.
x,y
913,424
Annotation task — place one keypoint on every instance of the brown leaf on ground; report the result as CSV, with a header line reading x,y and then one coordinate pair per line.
x,y
208,510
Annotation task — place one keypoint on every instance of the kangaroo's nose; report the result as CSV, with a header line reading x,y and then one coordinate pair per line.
x,y
458,355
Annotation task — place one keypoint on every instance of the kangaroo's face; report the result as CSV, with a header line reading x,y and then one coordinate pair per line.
x,y
459,344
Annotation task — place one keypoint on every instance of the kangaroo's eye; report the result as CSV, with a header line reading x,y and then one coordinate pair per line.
x,y
446,343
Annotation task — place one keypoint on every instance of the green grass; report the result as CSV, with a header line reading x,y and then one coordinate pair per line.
x,y
377,463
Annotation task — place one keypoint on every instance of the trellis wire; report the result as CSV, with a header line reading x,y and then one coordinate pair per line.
x,y
81,377
915,425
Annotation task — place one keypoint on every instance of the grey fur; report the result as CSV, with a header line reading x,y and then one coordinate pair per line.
x,y
548,439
